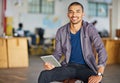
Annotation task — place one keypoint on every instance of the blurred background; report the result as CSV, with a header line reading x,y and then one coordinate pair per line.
x,y
28,28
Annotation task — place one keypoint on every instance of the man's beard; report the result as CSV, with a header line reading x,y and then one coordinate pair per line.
x,y
76,22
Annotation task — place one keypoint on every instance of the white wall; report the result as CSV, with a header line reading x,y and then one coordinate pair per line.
x,y
31,21
115,17
16,11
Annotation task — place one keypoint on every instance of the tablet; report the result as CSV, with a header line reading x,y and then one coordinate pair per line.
x,y
51,59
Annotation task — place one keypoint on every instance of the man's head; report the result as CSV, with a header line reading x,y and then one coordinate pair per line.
x,y
76,3
75,12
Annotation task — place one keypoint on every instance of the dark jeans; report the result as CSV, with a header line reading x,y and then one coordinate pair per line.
x,y
78,71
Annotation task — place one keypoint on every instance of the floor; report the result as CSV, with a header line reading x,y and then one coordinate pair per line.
x,y
30,74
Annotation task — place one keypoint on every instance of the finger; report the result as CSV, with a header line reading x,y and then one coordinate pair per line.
x,y
47,66
91,79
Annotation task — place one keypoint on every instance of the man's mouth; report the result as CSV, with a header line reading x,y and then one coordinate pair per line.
x,y
74,18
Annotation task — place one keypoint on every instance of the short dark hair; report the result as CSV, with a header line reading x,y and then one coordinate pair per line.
x,y
76,3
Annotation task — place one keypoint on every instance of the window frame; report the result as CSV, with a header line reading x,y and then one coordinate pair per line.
x,y
42,6
98,13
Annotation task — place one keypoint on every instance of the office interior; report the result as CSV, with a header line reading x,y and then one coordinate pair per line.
x,y
20,54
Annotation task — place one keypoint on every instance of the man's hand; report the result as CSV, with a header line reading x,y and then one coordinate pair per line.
x,y
94,79
48,66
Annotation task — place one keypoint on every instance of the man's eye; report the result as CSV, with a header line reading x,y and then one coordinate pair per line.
x,y
70,12
78,11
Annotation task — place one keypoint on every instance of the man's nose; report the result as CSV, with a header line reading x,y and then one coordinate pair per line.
x,y
74,13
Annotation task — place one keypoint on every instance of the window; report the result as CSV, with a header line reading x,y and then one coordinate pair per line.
x,y
41,6
92,9
102,10
98,9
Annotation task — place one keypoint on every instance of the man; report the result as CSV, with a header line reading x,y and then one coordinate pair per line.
x,y
75,40
20,31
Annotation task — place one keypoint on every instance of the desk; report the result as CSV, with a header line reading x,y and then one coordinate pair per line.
x,y
112,47
13,52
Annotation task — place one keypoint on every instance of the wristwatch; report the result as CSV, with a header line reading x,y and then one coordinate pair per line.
x,y
100,74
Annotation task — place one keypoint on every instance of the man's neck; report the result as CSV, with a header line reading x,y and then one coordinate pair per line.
x,y
74,28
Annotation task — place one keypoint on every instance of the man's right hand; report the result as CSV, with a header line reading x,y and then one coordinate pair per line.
x,y
48,66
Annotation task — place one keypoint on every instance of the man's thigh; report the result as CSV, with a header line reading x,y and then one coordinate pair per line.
x,y
61,73
84,73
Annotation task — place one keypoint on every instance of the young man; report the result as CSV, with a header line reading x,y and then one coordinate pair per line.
x,y
75,40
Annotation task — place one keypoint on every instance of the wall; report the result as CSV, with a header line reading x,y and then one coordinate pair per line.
x,y
49,22
115,17
16,11
38,20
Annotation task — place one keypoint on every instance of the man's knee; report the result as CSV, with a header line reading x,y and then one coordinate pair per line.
x,y
44,73
44,76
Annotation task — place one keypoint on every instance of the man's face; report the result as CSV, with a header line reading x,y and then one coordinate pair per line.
x,y
75,14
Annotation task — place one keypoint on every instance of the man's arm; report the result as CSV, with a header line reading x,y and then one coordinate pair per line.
x,y
97,78
101,69
58,49
99,46
102,56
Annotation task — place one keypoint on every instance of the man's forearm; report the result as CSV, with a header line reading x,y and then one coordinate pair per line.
x,y
101,69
